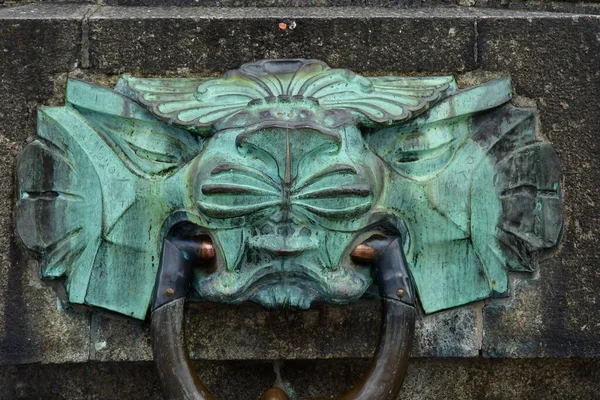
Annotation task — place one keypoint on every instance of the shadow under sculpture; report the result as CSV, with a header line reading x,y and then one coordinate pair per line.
x,y
286,166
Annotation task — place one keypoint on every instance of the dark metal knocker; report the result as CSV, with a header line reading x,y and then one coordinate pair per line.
x,y
382,381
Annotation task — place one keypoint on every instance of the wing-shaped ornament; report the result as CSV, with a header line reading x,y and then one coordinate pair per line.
x,y
246,96
91,195
485,193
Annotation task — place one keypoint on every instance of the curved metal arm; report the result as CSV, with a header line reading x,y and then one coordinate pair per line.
x,y
175,370
382,381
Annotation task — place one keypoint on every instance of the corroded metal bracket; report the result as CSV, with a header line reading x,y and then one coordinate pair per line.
x,y
382,381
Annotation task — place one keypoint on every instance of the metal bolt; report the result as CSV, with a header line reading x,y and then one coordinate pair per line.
x,y
170,292
400,293
363,254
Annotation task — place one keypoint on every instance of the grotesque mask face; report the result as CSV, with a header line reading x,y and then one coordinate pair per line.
x,y
294,199
287,165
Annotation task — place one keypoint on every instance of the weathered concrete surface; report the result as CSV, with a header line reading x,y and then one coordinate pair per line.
x,y
576,7
458,379
570,6
37,48
324,332
116,338
159,39
248,332
428,379
553,59
556,62
29,60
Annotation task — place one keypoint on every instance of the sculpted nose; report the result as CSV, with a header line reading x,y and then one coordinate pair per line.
x,y
283,239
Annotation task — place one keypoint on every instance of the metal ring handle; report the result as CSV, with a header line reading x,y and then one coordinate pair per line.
x,y
382,381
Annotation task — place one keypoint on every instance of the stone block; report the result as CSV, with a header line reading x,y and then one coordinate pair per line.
x,y
36,325
281,3
248,332
160,39
427,379
323,332
434,379
98,381
39,44
117,338
553,60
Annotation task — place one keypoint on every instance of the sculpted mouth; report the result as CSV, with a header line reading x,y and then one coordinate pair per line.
x,y
284,279
286,290
290,265
238,286
276,286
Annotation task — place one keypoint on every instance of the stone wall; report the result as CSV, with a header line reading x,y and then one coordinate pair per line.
x,y
428,379
543,342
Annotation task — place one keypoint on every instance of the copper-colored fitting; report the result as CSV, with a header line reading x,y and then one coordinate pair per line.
x,y
363,254
275,394
206,250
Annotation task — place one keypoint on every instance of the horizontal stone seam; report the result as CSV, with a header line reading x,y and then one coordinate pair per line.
x,y
39,11
102,12
343,359
324,13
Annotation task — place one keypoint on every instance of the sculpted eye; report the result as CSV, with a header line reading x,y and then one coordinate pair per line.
x,y
234,191
168,157
220,188
422,145
341,191
336,192
418,153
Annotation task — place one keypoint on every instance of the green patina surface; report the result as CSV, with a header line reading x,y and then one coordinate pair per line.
x,y
287,165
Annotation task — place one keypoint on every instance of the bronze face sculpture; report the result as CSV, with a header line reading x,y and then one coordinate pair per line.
x,y
279,171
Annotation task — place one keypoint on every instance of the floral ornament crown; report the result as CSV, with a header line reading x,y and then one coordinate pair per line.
x,y
286,93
